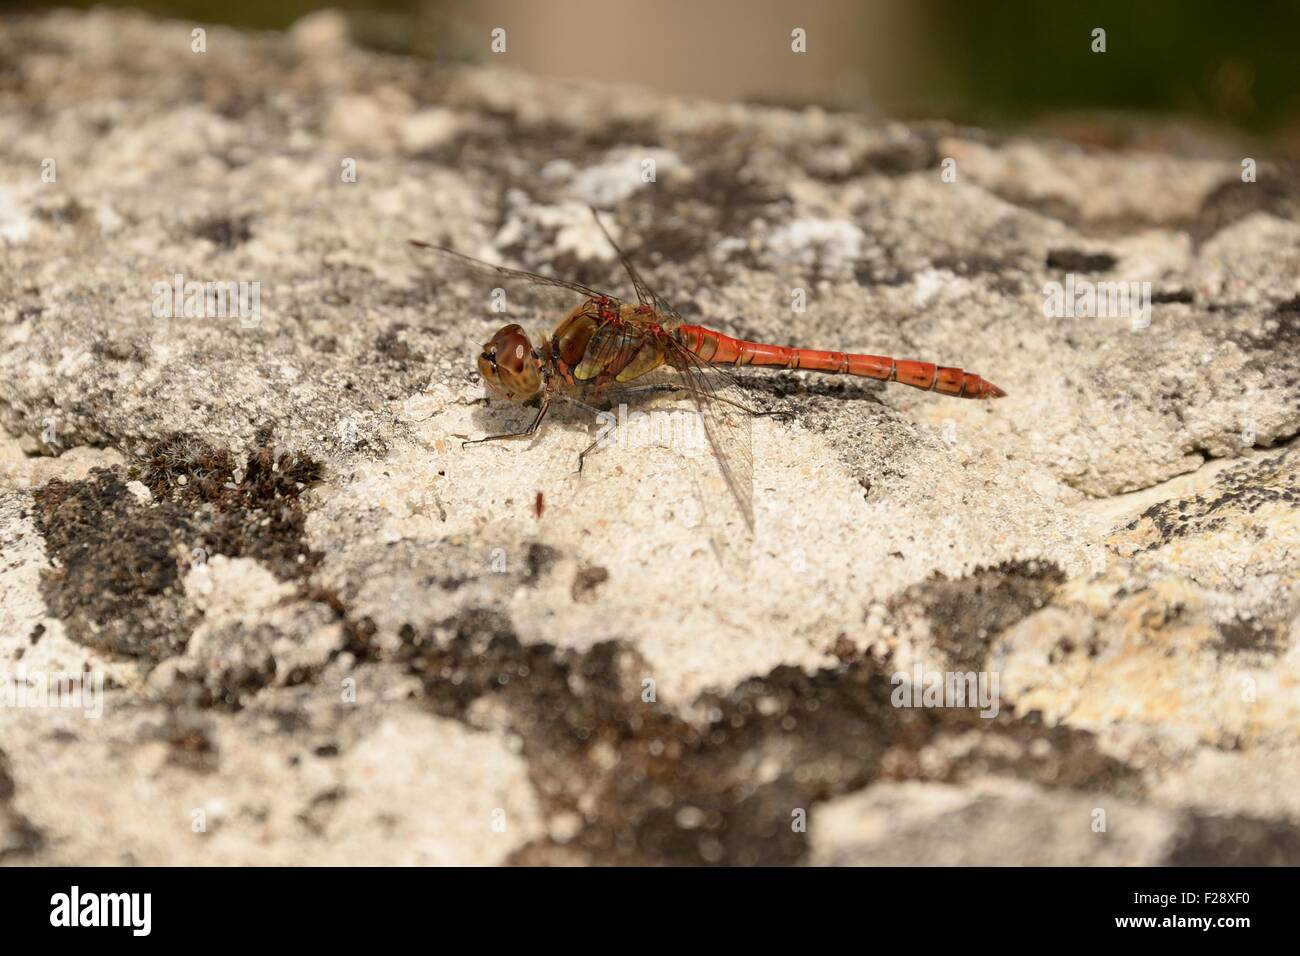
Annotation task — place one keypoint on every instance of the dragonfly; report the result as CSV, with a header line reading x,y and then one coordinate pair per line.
x,y
607,346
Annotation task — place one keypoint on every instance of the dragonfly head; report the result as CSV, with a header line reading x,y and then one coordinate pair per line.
x,y
509,365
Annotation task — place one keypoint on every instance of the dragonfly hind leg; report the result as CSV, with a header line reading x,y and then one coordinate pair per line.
x,y
582,455
591,408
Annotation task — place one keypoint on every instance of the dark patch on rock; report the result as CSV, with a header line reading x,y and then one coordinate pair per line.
x,y
239,663
539,559
1275,193
227,232
1235,841
1065,647
236,660
618,133
118,562
686,217
1275,337
652,787
973,264
1252,636
1233,199
358,633
835,391
497,138
121,350
876,273
179,461
966,614
897,158
676,242
24,839
1247,487
1001,273
907,156
259,516
115,580
585,583
7,787
315,817
19,838
69,212
393,348
1074,260
1272,346
188,736
678,220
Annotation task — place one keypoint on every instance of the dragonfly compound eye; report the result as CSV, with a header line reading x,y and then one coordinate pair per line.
x,y
509,366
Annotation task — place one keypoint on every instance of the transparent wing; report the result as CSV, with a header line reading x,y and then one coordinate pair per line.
x,y
612,346
471,265
712,438
644,294
481,297
726,417
725,492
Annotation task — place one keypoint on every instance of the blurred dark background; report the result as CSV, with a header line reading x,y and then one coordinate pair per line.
x,y
1217,65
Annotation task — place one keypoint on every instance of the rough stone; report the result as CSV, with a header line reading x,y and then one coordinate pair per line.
x,y
330,633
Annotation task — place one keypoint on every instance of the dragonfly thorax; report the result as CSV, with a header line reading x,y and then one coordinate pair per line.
x,y
510,366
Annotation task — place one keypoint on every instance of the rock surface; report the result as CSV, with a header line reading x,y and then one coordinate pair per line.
x,y
328,633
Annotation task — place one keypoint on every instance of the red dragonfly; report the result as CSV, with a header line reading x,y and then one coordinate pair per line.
x,y
605,345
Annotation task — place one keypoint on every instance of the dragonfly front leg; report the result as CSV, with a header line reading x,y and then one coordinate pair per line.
x,y
526,433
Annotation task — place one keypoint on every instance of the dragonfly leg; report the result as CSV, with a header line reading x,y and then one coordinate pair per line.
x,y
527,432
657,387
590,448
582,455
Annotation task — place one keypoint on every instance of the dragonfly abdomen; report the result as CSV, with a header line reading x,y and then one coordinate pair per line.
x,y
718,349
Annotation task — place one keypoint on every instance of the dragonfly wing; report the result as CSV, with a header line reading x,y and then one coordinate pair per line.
x,y
723,481
607,352
644,294
489,268
726,418
472,291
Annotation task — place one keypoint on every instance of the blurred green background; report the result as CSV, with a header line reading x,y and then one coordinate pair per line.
x,y
1219,64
